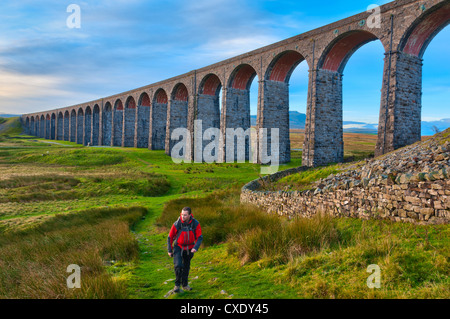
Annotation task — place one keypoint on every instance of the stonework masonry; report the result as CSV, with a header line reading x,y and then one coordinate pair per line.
x,y
411,185
419,203
407,27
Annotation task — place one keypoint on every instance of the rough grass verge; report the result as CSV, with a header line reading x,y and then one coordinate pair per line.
x,y
34,261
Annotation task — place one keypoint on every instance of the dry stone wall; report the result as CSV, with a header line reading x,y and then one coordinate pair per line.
x,y
409,185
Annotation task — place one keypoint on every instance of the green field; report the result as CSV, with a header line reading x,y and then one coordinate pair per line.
x,y
109,210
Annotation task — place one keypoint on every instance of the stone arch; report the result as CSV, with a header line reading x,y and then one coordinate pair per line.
x,y
87,125
242,77
96,125
236,114
66,126
208,111
158,122
143,121
130,121
324,132
400,120
60,127
338,52
273,108
282,66
118,123
107,124
80,126
73,126
177,114
424,29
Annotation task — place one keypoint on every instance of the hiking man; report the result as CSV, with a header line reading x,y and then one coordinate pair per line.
x,y
186,236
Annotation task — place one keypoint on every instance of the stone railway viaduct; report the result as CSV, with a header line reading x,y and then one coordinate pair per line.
x,y
146,117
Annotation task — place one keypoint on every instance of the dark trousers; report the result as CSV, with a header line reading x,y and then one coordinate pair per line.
x,y
182,263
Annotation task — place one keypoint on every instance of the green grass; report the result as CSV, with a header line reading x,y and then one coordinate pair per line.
x,y
303,180
250,254
67,204
9,127
34,261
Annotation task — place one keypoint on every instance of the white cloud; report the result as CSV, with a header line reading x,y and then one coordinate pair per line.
x,y
16,85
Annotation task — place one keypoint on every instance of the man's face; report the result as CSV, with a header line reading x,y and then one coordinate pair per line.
x,y
185,216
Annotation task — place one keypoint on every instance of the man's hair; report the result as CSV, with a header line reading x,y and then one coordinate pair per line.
x,y
187,209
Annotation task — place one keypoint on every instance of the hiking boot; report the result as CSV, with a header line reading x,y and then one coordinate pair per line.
x,y
187,288
176,289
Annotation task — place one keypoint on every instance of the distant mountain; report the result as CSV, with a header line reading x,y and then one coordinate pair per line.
x,y
297,121
8,115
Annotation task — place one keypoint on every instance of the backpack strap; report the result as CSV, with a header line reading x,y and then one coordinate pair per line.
x,y
192,226
178,227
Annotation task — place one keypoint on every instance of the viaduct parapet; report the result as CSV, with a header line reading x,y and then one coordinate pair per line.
x,y
147,116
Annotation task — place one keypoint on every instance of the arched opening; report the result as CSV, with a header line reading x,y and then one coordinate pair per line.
x,y
298,105
66,126
73,126
118,123
107,124
178,111
436,85
425,46
87,126
273,110
324,142
237,118
130,121
362,84
80,124
96,125
60,127
209,113
143,125
158,121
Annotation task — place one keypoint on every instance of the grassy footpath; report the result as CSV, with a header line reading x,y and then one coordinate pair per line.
x,y
246,253
269,257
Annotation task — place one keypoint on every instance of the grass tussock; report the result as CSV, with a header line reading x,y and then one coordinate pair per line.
x,y
86,158
253,234
39,188
322,257
34,261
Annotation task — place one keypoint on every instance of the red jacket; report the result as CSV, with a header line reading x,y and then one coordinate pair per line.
x,y
188,234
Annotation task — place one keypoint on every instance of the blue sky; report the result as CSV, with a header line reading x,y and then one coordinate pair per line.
x,y
125,44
